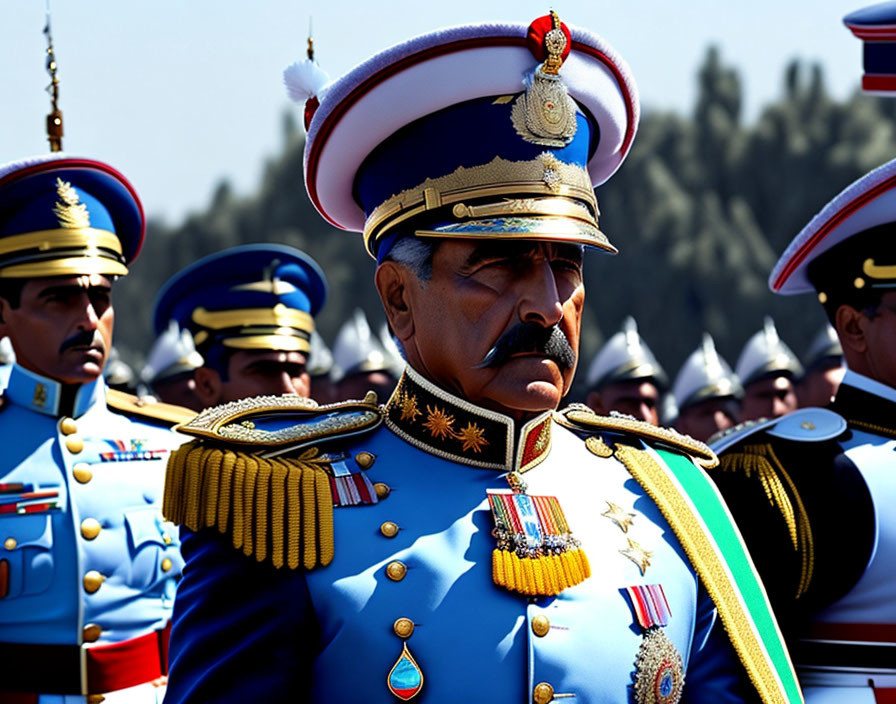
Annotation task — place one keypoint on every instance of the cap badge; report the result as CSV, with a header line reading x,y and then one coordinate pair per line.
x,y
545,114
69,209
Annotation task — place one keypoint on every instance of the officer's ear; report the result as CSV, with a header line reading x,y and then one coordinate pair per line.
x,y
392,281
850,325
209,387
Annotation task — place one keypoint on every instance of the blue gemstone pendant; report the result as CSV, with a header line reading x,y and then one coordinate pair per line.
x,y
405,679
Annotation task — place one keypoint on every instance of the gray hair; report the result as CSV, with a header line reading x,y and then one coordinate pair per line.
x,y
415,253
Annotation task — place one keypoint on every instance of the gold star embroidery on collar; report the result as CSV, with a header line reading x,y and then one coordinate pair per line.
x,y
638,555
409,410
472,437
619,516
439,423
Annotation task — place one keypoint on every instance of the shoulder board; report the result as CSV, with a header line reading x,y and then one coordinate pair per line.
x,y
255,473
282,421
803,425
580,417
154,410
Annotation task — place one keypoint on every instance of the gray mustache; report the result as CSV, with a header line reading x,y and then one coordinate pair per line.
x,y
531,337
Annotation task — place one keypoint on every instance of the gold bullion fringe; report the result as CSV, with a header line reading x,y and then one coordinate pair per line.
x,y
544,575
762,462
278,509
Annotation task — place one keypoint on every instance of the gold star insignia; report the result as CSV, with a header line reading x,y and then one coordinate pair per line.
x,y
638,555
438,423
409,410
472,437
619,516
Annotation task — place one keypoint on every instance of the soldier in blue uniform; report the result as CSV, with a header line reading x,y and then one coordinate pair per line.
x,y
87,565
250,310
465,542
814,491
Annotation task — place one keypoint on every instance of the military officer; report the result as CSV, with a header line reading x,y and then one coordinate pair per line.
x,y
441,547
360,363
823,369
706,393
624,376
767,369
250,310
87,565
814,491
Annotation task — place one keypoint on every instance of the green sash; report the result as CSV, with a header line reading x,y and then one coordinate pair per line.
x,y
694,509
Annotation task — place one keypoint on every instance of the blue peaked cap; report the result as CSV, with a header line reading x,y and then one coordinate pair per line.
x,y
259,296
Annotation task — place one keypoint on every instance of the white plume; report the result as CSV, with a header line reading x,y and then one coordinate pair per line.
x,y
304,80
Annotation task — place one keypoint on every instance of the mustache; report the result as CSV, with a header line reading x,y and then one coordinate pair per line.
x,y
531,337
84,338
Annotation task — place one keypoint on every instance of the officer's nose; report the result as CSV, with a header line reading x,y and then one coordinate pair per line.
x,y
89,318
284,384
540,302
721,420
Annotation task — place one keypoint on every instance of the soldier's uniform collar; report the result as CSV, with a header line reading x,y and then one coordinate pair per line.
x,y
44,395
444,425
864,383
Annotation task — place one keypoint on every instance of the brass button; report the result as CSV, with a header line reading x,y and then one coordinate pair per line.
x,y
74,444
81,472
541,625
389,529
365,459
166,539
68,426
396,570
403,627
90,528
10,543
94,699
91,633
382,490
543,693
166,564
93,580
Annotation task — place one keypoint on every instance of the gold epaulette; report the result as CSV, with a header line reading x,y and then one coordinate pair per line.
x,y
155,410
271,493
579,416
760,463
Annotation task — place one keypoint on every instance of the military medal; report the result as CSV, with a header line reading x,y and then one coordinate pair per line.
x,y
659,670
536,552
405,679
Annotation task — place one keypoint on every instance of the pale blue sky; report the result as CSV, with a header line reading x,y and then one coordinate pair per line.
x,y
180,93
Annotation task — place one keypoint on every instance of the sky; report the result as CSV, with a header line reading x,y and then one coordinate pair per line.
x,y
180,94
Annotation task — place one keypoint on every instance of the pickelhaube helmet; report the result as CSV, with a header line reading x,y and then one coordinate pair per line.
x,y
825,347
356,348
625,357
172,353
704,375
766,353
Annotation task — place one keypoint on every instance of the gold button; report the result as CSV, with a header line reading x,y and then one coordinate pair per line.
x,y
382,490
166,539
68,426
389,529
10,543
403,627
541,625
74,444
365,459
166,564
90,528
396,571
91,633
543,693
81,472
94,699
93,580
